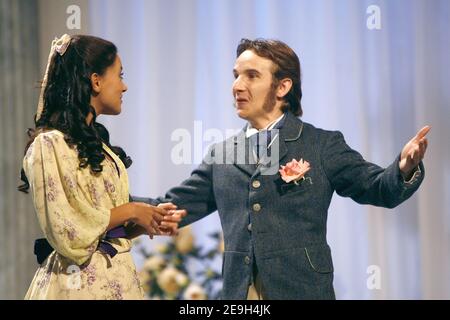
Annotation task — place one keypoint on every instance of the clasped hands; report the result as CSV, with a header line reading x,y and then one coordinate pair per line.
x,y
161,220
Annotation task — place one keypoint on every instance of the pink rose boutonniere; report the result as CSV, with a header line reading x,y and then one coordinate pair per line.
x,y
295,171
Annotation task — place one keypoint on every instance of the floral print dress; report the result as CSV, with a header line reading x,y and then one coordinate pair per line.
x,y
73,208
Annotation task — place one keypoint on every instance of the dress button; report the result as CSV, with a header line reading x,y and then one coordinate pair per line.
x,y
256,207
256,184
249,227
247,260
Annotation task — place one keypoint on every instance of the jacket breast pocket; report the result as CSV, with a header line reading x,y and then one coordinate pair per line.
x,y
293,188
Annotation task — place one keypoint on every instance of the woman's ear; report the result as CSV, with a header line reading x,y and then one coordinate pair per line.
x,y
96,83
283,87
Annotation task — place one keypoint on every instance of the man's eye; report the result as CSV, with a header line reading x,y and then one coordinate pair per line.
x,y
121,75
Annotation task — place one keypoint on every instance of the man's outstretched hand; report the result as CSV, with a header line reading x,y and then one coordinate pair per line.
x,y
413,152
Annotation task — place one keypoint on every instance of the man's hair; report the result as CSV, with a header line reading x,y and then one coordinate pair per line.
x,y
287,65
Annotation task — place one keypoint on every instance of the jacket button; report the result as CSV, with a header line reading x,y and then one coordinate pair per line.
x,y
247,260
256,184
249,227
256,207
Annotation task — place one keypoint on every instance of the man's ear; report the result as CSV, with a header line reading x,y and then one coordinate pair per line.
x,y
96,83
283,87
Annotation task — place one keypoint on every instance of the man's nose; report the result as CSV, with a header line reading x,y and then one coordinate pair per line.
x,y
238,85
125,88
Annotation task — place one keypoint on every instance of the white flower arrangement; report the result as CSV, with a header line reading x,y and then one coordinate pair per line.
x,y
167,271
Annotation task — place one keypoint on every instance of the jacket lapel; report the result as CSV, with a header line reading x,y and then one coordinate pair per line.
x,y
290,131
242,157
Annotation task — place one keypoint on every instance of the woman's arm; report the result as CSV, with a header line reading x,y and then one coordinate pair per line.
x,y
148,218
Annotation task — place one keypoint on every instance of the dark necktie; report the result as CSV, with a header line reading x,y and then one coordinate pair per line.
x,y
261,141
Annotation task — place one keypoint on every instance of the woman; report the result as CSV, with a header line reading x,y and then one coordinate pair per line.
x,y
79,181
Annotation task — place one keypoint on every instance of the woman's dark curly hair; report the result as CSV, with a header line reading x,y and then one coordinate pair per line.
x,y
67,99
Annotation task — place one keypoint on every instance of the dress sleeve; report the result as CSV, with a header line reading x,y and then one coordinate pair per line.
x,y
70,223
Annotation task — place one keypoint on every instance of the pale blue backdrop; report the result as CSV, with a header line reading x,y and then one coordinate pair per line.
x,y
377,86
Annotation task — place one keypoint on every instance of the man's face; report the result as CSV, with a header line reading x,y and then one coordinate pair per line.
x,y
252,88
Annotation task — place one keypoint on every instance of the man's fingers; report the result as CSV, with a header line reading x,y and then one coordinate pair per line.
x,y
161,211
171,227
417,153
422,133
424,142
168,224
167,206
172,209
176,217
170,230
183,213
161,233
411,155
422,149
171,219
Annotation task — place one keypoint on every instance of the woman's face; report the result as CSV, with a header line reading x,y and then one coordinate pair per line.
x,y
110,90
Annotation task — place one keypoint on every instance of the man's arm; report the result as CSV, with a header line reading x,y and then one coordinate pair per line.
x,y
150,201
195,194
367,183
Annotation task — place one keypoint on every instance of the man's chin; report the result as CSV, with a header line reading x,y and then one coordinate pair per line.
x,y
241,114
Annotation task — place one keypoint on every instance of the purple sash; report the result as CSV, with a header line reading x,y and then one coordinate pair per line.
x,y
42,247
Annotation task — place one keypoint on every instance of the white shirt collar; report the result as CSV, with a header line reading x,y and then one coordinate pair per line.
x,y
251,131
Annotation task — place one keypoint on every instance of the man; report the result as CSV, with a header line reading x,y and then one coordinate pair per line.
x,y
274,224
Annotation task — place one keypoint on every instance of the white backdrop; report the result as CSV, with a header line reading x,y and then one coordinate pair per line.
x,y
377,86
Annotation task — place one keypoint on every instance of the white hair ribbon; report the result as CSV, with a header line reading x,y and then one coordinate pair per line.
x,y
58,45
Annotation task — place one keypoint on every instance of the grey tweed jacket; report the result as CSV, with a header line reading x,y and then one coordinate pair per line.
x,y
281,227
